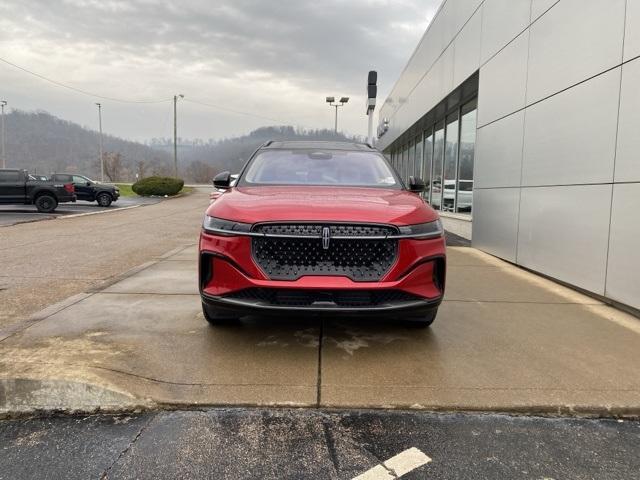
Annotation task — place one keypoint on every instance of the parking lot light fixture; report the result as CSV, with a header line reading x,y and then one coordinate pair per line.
x,y
332,102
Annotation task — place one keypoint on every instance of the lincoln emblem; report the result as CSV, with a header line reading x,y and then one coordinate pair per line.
x,y
326,237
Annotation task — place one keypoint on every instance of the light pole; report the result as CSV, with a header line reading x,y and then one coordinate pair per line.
x,y
4,158
175,134
330,101
101,152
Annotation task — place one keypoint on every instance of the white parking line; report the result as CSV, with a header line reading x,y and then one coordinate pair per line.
x,y
396,466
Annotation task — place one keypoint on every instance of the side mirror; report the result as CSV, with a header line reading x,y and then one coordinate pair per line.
x,y
88,184
222,180
416,185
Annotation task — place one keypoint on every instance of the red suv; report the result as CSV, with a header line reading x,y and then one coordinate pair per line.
x,y
320,228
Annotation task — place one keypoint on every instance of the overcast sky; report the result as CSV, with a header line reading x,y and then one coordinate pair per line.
x,y
277,59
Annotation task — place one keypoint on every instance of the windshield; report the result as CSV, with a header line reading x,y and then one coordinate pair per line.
x,y
320,167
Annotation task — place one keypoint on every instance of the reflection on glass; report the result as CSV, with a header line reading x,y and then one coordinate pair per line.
x,y
428,156
438,152
412,159
403,162
450,163
417,170
467,148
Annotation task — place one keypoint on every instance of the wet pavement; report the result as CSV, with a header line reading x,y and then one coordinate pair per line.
x,y
505,340
15,214
317,444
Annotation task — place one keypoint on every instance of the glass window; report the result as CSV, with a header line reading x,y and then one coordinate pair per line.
x,y
438,153
403,162
428,157
467,150
450,163
77,179
320,167
10,176
417,171
412,160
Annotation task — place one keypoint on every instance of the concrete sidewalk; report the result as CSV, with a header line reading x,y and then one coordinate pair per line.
x,y
504,340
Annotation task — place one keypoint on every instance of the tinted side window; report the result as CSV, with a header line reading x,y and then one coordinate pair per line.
x,y
10,177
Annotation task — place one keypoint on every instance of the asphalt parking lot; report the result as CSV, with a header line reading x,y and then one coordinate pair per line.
x,y
15,214
318,444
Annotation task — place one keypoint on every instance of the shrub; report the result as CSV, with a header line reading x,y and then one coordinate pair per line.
x,y
159,186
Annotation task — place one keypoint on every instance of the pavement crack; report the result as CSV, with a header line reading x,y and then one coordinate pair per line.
x,y
331,446
319,385
105,474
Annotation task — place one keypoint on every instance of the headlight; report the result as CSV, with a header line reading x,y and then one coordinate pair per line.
x,y
219,226
423,230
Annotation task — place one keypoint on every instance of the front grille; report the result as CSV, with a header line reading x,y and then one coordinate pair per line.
x,y
320,298
361,259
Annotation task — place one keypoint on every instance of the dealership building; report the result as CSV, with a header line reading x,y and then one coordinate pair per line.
x,y
523,118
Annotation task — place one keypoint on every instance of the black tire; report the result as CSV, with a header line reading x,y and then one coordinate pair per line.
x,y
423,321
216,316
104,199
46,203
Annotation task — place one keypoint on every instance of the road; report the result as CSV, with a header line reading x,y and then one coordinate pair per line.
x,y
316,445
43,263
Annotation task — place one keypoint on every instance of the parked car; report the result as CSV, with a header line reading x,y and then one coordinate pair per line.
x,y
320,228
90,190
16,188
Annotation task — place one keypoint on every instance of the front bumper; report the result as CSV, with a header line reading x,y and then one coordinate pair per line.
x,y
227,269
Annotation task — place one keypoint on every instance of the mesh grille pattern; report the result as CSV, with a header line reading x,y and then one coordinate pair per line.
x,y
291,258
307,298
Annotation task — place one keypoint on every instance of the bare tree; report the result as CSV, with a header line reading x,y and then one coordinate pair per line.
x,y
112,165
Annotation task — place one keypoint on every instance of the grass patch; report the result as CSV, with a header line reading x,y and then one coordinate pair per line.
x,y
125,190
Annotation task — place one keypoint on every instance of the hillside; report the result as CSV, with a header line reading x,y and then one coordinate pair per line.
x,y
201,160
43,143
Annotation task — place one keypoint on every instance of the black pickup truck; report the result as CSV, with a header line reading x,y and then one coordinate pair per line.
x,y
17,188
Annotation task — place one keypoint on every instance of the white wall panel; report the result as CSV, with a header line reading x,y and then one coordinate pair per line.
x,y
466,53
502,21
503,81
498,159
570,137
575,40
628,153
538,7
632,30
495,221
563,233
623,270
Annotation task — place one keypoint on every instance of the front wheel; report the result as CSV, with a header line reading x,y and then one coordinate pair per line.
x,y
46,203
104,199
216,316
422,321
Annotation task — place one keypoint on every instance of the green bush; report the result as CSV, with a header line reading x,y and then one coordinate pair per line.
x,y
159,186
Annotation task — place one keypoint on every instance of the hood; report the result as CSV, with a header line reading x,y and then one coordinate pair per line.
x,y
340,204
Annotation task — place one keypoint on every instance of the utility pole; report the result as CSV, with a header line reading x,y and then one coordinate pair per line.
x,y
330,101
4,158
175,134
101,151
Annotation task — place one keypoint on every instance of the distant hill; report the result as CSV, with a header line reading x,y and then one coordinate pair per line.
x,y
43,143
202,160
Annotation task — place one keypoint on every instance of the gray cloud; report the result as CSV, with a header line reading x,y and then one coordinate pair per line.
x,y
276,58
